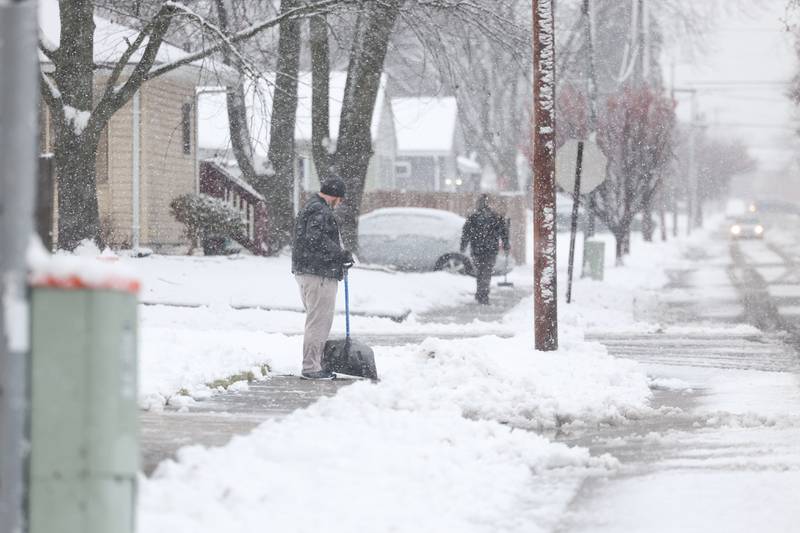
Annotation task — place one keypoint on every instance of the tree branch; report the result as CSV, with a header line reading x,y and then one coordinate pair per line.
x,y
51,95
112,99
123,60
300,12
51,54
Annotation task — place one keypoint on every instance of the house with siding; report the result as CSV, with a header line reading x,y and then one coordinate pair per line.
x,y
214,137
147,154
431,153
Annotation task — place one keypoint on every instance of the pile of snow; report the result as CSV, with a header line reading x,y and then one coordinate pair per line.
x,y
383,455
505,380
172,360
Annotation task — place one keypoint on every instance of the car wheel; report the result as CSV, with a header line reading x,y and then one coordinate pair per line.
x,y
455,264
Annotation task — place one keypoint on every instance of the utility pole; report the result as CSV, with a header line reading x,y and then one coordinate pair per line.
x,y
641,56
591,91
591,79
19,93
544,190
692,174
674,188
692,197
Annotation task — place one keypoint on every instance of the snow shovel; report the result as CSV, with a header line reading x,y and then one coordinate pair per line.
x,y
349,356
505,282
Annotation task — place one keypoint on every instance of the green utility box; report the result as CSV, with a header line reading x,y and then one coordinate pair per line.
x,y
84,415
594,256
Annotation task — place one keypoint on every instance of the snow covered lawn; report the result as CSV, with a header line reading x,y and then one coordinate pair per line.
x,y
247,281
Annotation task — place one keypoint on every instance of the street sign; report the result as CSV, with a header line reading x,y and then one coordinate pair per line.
x,y
594,166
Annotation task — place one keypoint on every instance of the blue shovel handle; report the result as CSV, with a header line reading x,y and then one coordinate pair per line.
x,y
346,306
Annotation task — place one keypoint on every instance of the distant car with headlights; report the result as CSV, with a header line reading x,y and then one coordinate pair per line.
x,y
417,239
746,227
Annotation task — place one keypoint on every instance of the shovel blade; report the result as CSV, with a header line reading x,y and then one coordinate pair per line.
x,y
351,357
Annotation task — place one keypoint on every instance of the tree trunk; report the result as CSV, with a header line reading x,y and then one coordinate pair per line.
x,y
237,108
590,217
78,214
619,249
278,185
648,225
354,146
75,145
320,99
239,130
626,241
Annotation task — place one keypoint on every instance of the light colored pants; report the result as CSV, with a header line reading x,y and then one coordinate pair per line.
x,y
319,301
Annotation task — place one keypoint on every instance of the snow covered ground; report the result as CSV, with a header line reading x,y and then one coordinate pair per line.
x,y
203,334
435,446
439,444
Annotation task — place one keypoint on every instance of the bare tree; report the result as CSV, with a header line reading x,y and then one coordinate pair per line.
x,y
635,133
237,108
354,144
487,68
320,95
277,184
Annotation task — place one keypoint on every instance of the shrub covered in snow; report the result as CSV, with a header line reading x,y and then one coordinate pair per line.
x,y
208,221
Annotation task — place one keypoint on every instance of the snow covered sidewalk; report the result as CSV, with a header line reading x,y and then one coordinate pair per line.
x,y
440,444
432,447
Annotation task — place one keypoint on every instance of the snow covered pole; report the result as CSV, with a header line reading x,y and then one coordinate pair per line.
x,y
544,191
19,94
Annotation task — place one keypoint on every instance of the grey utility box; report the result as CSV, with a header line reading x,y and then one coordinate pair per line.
x,y
84,414
594,256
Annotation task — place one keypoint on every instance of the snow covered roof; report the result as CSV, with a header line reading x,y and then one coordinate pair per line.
x,y
442,215
109,38
213,113
467,165
425,124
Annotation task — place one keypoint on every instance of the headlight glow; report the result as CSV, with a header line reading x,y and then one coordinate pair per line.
x,y
759,229
736,229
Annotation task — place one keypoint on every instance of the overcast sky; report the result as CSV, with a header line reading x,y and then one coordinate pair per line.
x,y
742,80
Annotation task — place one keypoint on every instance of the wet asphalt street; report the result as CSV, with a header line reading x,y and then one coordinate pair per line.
x,y
725,454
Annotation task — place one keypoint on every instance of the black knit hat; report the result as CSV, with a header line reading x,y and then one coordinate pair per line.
x,y
333,187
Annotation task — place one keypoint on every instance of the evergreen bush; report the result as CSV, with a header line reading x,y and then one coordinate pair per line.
x,y
208,221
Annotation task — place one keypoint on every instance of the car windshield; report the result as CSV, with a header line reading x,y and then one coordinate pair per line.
x,y
747,220
399,224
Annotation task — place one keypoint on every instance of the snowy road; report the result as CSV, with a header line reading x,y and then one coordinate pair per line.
x,y
725,453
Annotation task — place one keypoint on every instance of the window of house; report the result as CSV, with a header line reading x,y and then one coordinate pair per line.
x,y
187,128
402,169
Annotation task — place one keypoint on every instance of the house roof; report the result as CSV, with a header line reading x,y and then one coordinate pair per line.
x,y
109,38
213,114
425,124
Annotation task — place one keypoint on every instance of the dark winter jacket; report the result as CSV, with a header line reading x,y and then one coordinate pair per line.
x,y
317,249
483,231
